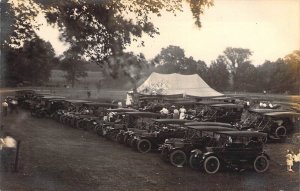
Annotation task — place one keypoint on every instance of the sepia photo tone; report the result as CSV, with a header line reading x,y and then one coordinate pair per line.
x,y
150,95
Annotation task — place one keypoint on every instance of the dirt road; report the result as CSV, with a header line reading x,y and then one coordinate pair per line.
x,y
57,157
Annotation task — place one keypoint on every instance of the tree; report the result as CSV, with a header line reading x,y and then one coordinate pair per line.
x,y
32,62
245,78
173,60
234,57
74,65
218,75
98,30
293,61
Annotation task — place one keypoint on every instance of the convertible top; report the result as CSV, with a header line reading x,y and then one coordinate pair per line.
x,y
243,133
143,114
283,114
75,101
265,110
122,110
196,123
211,128
99,104
171,121
227,105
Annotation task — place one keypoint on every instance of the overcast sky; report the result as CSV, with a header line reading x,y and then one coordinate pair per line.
x,y
269,28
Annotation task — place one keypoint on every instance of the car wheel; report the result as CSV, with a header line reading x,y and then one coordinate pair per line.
x,y
119,138
104,131
280,131
296,138
193,162
211,165
261,164
99,130
144,146
178,158
265,139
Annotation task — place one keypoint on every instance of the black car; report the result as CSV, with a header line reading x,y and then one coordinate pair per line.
x,y
91,114
224,112
235,150
138,121
178,150
162,129
276,123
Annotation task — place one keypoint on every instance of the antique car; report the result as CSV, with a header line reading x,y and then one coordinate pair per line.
x,y
22,96
134,122
112,116
92,114
224,112
178,150
47,106
235,150
68,115
276,123
161,130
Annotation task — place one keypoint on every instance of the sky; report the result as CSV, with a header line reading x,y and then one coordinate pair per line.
x,y
269,28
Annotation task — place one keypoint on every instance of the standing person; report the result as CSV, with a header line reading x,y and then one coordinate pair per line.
x,y
289,161
175,113
4,107
182,111
14,106
9,145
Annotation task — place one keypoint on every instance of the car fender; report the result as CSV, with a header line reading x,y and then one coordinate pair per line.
x,y
196,152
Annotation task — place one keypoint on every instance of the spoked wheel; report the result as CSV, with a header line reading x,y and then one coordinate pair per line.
x,y
280,131
296,138
178,158
99,130
144,146
265,139
261,164
119,138
211,165
194,162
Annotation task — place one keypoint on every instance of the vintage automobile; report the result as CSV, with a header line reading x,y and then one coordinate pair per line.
x,y
47,106
92,114
161,130
133,122
178,150
224,112
235,150
112,116
72,107
22,96
276,123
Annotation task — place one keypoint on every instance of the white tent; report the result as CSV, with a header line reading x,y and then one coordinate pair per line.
x,y
176,84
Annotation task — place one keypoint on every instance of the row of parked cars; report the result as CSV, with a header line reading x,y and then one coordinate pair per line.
x,y
211,143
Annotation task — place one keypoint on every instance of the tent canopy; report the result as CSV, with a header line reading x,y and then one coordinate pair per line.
x,y
176,84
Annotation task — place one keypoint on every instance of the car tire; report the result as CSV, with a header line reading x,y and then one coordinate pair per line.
x,y
257,162
119,138
144,146
280,131
178,158
211,165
